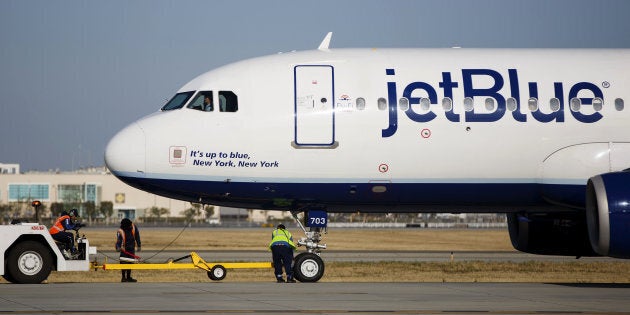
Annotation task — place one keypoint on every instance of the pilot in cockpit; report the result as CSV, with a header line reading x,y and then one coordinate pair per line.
x,y
207,103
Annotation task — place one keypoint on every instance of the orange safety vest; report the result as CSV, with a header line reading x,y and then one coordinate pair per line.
x,y
58,226
121,232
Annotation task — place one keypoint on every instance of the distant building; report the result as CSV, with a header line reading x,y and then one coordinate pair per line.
x,y
94,184
9,168
253,215
97,184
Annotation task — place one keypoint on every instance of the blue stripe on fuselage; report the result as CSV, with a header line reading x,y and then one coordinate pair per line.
x,y
367,197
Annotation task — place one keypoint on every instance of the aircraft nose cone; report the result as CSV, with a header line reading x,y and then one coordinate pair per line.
x,y
125,152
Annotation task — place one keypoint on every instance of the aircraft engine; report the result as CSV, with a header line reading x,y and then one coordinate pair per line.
x,y
608,213
559,233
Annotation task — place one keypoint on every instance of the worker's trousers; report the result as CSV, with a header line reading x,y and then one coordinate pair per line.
x,y
282,256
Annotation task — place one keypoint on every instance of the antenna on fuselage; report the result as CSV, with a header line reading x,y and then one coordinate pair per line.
x,y
326,42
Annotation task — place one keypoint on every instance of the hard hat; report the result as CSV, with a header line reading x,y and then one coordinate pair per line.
x,y
73,213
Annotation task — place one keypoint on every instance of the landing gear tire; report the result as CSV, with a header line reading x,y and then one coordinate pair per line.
x,y
7,276
29,262
217,273
308,267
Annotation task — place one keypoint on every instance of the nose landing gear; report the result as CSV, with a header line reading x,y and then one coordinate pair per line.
x,y
309,266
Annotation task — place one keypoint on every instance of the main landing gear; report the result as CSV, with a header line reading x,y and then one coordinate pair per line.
x,y
308,266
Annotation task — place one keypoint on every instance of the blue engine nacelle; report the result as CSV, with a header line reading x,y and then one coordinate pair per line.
x,y
608,214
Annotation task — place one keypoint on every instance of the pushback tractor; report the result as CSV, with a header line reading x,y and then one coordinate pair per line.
x,y
28,253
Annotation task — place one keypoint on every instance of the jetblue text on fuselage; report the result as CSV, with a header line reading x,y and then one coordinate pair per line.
x,y
448,85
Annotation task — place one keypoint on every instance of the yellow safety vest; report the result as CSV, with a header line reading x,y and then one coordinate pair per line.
x,y
282,236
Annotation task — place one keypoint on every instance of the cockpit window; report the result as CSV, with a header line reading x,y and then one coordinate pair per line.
x,y
178,100
202,101
228,102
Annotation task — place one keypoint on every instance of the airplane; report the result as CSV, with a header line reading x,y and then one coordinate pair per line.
x,y
542,135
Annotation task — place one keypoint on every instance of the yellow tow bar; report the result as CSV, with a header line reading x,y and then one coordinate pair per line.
x,y
216,271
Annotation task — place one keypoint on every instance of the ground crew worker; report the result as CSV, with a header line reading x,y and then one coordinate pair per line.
x,y
282,248
126,239
67,221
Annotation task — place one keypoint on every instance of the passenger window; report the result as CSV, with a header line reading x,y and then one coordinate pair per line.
x,y
403,103
382,104
576,103
202,101
490,104
178,101
598,104
511,104
619,104
228,101
447,104
360,103
532,104
554,104
469,104
425,104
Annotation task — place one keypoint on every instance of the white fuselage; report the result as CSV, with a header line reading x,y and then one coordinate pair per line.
x,y
310,121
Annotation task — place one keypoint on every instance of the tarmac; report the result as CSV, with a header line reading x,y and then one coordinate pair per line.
x,y
323,297
314,298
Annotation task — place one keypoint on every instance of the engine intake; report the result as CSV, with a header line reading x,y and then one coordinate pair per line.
x,y
608,213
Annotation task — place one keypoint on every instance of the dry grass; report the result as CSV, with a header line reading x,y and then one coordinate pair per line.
x,y
360,239
474,271
338,239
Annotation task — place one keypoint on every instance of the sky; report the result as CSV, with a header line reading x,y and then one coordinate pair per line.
x,y
73,73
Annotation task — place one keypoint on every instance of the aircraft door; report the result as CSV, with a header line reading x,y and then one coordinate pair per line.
x,y
314,114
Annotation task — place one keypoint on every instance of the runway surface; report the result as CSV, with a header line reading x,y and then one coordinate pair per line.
x,y
321,298
314,298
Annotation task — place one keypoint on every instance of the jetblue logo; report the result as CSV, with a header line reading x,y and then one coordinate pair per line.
x,y
498,82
